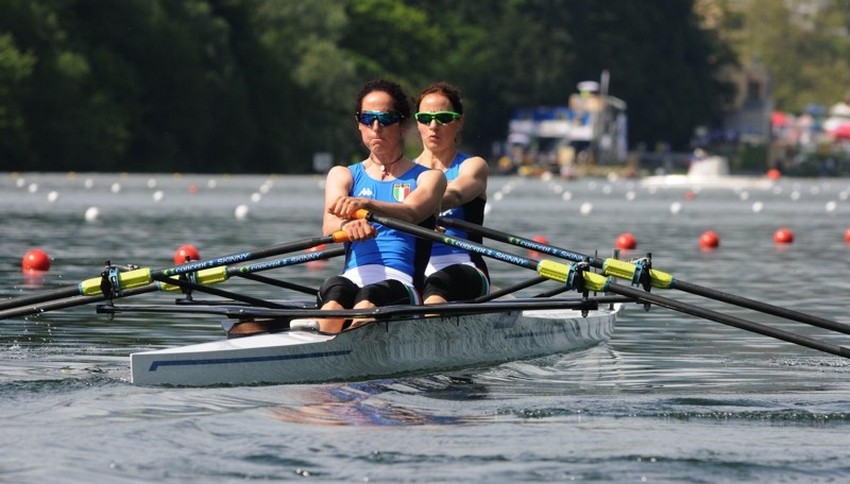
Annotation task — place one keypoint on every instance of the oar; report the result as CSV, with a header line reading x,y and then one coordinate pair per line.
x,y
202,272
635,272
577,277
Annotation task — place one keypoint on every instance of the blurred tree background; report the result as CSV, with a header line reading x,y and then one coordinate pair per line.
x,y
259,86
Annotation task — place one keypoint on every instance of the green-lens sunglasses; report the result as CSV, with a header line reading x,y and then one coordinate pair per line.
x,y
442,117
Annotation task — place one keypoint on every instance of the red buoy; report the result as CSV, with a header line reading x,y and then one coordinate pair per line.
x,y
185,254
709,240
773,174
626,241
35,260
689,195
847,236
783,236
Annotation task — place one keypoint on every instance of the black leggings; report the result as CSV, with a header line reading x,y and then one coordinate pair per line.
x,y
458,282
348,294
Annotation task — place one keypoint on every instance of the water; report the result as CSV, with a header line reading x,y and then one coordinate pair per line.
x,y
670,399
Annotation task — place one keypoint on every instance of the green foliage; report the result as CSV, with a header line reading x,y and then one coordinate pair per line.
x,y
261,85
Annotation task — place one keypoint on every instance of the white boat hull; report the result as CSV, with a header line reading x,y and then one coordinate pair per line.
x,y
380,349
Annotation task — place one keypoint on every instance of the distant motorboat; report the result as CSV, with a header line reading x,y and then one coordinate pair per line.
x,y
708,172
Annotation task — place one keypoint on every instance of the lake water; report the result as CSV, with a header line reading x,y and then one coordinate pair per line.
x,y
670,398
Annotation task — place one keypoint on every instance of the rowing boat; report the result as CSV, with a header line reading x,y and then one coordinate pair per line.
x,y
392,347
400,340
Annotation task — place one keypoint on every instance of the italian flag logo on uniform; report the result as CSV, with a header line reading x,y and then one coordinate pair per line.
x,y
401,191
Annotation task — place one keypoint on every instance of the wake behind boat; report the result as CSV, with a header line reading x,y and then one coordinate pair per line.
x,y
385,348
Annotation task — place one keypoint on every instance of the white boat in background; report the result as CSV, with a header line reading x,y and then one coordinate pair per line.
x,y
378,349
709,172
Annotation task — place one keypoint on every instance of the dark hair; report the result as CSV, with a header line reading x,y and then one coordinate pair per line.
x,y
401,102
445,89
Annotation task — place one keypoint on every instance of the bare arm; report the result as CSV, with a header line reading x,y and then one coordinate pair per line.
x,y
419,205
337,187
470,183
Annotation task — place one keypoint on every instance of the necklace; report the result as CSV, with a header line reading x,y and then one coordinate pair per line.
x,y
384,166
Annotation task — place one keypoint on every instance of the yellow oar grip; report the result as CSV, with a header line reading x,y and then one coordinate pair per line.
x,y
127,280
626,270
204,277
557,271
553,270
595,282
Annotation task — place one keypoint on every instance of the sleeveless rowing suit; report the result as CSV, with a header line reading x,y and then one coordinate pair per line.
x,y
443,255
392,254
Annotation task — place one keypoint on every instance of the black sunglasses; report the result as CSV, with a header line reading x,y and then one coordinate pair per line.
x,y
385,118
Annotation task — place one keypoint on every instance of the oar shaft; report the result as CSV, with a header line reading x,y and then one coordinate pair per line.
x,y
728,320
674,283
521,242
761,306
142,277
445,239
68,302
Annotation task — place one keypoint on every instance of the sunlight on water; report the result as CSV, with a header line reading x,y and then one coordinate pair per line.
x,y
671,397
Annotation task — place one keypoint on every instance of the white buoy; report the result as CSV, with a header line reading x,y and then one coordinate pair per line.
x,y
557,188
830,206
33,187
256,197
158,196
212,183
53,196
92,214
843,195
758,207
795,195
744,196
675,207
606,189
20,182
88,183
567,196
151,183
266,186
546,176
586,208
630,195
115,188
498,196
241,212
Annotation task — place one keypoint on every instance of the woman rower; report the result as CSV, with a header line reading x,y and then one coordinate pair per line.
x,y
382,266
452,274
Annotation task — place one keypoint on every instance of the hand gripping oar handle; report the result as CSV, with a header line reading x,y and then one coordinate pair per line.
x,y
140,277
661,280
579,278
